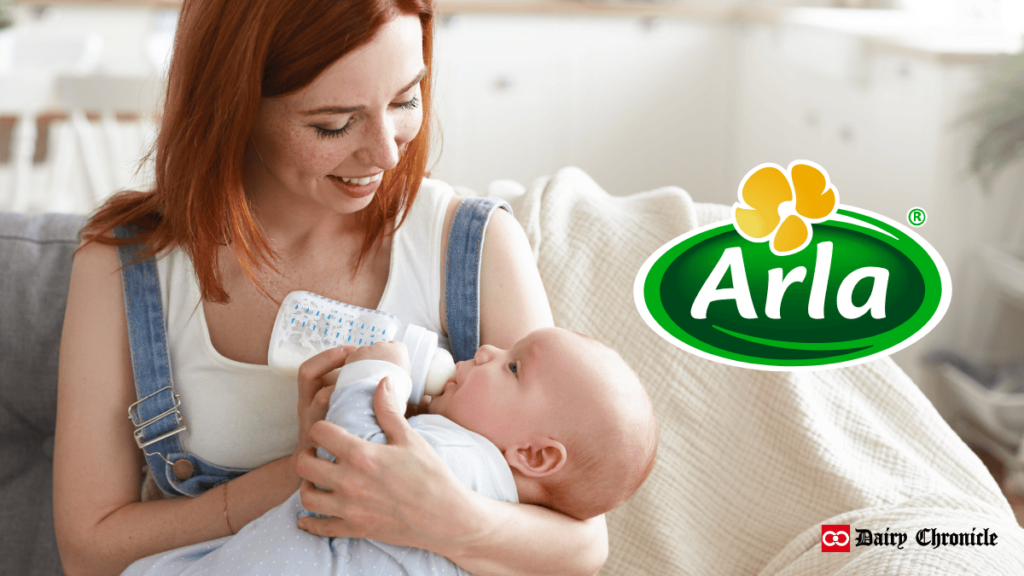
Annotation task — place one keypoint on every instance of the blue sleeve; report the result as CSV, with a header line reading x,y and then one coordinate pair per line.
x,y
473,459
352,401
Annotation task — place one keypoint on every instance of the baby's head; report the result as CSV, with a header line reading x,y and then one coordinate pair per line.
x,y
572,419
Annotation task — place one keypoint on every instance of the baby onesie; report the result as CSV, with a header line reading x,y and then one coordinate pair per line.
x,y
273,545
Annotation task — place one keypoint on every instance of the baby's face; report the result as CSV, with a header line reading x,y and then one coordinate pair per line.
x,y
508,395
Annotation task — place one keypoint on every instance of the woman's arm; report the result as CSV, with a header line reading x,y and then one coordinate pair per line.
x,y
521,538
527,539
513,302
481,535
101,525
380,492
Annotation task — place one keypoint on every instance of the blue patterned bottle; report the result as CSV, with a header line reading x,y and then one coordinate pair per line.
x,y
308,324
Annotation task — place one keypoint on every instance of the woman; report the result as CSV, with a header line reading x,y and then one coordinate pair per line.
x,y
294,135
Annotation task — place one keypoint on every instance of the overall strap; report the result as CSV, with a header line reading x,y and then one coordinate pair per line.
x,y
156,417
462,274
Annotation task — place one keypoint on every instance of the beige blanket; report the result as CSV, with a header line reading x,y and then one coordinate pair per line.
x,y
752,463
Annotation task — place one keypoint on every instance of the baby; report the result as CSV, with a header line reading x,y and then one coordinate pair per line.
x,y
559,420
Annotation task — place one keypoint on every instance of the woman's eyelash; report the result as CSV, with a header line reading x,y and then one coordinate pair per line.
x,y
415,102
325,133
514,368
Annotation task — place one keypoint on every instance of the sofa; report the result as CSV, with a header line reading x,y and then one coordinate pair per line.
x,y
35,267
751,464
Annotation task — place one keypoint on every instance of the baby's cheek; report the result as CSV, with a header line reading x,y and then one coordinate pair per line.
x,y
461,412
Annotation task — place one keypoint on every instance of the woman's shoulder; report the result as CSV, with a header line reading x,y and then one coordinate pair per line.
x,y
95,262
97,269
104,259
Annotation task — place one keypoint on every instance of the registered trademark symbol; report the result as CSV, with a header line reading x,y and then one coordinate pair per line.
x,y
917,216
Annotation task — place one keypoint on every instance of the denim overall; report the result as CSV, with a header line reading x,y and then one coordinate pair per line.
x,y
156,415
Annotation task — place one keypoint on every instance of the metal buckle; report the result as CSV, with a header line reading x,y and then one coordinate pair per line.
x,y
141,426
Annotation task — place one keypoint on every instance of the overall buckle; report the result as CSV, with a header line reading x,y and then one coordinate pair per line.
x,y
140,426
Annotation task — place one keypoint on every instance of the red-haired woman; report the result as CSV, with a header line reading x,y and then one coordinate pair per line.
x,y
291,156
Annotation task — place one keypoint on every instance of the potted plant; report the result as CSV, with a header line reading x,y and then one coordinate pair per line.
x,y
1000,116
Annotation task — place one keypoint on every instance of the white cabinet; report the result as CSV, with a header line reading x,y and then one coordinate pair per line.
x,y
502,99
884,124
877,125
636,103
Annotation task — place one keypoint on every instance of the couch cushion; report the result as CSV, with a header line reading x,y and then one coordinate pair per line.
x,y
35,268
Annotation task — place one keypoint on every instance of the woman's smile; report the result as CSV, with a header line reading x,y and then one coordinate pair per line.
x,y
355,187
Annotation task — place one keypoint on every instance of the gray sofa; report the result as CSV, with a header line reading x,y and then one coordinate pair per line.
x,y
35,266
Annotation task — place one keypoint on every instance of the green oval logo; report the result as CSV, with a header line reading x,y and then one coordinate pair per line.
x,y
800,290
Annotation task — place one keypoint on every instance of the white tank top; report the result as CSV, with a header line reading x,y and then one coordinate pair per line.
x,y
243,415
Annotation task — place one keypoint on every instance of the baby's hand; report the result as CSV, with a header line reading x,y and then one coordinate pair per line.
x,y
394,352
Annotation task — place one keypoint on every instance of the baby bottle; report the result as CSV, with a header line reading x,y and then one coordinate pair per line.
x,y
308,324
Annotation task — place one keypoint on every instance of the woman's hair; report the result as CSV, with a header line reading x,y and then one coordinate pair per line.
x,y
227,56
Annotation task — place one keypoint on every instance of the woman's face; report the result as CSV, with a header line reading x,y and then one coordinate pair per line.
x,y
330,142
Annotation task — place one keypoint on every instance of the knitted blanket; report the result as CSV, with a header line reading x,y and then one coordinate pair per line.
x,y
752,463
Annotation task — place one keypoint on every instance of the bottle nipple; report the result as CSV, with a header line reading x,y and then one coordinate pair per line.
x,y
441,370
431,365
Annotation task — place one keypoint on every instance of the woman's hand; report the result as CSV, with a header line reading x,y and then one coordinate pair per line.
x,y
394,352
316,383
401,493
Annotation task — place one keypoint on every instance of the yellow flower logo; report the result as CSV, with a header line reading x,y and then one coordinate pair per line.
x,y
779,205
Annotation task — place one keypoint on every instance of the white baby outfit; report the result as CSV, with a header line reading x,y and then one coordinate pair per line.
x,y
273,545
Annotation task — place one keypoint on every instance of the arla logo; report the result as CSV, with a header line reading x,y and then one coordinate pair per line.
x,y
795,280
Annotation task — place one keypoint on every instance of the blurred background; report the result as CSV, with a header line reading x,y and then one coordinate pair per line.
x,y
906,103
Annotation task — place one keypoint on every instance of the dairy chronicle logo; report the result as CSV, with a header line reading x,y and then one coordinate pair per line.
x,y
835,537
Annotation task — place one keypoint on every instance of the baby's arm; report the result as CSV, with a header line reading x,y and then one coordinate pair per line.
x,y
351,404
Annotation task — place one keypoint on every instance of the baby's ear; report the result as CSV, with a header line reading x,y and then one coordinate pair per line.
x,y
542,457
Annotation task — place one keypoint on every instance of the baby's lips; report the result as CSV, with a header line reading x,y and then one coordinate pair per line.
x,y
763,191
